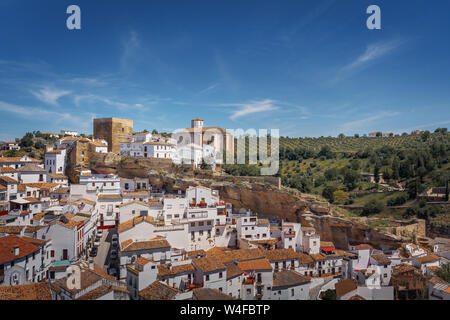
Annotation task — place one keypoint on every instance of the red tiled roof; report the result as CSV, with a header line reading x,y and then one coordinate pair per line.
x,y
7,245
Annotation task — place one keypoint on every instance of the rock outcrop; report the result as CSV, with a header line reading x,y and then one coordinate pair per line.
x,y
264,197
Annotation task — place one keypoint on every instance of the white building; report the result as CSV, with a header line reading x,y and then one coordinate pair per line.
x,y
31,173
67,236
104,183
21,261
290,285
72,133
210,273
55,161
146,145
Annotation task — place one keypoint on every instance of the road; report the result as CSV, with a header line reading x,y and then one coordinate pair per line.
x,y
314,292
103,251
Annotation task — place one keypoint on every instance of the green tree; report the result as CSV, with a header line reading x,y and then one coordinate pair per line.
x,y
376,173
412,188
340,197
328,295
395,169
27,140
372,207
351,178
327,193
444,272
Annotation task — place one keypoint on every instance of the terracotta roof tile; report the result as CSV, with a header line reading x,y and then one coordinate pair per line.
x,y
380,258
208,264
259,264
233,270
281,254
33,291
158,291
345,286
146,245
288,278
7,245
429,258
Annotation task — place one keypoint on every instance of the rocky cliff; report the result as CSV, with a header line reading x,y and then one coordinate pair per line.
x,y
267,199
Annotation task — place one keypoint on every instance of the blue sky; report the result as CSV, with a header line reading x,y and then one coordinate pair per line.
x,y
309,68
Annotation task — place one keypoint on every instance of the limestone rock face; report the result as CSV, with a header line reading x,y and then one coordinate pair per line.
x,y
263,197
320,208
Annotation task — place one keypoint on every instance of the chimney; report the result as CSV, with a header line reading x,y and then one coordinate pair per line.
x,y
16,250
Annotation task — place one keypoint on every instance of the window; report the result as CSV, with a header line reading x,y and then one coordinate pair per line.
x,y
207,277
220,275
192,224
385,275
292,292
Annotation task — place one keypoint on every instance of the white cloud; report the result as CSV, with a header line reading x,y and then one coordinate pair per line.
x,y
245,109
59,117
373,52
211,87
130,45
367,123
50,95
93,97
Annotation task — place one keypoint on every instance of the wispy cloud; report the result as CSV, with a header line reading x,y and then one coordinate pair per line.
x,y
211,87
244,109
130,45
92,97
225,74
50,95
58,117
366,123
372,53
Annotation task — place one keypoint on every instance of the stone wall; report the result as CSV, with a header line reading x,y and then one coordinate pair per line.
x,y
113,130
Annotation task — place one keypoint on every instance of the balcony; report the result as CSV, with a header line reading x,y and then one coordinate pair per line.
x,y
198,205
289,233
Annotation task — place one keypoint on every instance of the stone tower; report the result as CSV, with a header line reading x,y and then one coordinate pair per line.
x,y
113,130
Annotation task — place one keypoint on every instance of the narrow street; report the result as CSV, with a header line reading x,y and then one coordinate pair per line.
x,y
102,258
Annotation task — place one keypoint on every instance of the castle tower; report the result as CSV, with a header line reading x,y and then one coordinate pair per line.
x,y
197,123
113,130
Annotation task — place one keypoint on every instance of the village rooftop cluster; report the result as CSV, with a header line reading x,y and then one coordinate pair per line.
x,y
132,240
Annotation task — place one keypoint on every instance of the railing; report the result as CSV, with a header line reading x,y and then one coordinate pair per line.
x,y
198,215
168,228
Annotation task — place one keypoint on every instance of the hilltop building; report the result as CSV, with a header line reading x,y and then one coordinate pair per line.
x,y
113,130
199,136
